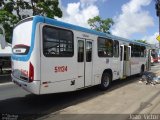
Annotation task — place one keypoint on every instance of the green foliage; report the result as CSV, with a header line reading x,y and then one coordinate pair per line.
x,y
8,21
12,11
99,24
142,41
48,8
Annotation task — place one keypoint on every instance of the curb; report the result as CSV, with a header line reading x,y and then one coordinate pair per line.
x,y
2,75
7,83
5,78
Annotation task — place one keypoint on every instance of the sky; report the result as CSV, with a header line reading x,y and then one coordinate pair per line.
x,y
133,19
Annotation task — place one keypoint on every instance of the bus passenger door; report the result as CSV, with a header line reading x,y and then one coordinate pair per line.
x,y
84,60
128,59
122,62
88,62
125,55
80,63
148,59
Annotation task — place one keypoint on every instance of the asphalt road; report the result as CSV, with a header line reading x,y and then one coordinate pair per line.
x,y
16,101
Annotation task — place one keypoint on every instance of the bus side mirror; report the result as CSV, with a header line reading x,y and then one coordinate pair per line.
x,y
2,38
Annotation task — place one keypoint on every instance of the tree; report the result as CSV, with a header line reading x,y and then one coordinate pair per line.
x,y
142,41
99,24
13,11
47,8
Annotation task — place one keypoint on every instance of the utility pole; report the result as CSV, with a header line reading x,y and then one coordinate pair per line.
x,y
2,38
157,6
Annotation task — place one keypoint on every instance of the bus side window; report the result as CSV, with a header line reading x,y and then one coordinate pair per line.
x,y
57,42
105,47
80,51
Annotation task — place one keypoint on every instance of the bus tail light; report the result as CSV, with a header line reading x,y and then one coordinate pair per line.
x,y
31,72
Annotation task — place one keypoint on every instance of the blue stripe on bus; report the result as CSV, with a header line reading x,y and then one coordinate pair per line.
x,y
73,27
85,30
36,20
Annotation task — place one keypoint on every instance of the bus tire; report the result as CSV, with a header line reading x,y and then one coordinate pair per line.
x,y
142,70
105,81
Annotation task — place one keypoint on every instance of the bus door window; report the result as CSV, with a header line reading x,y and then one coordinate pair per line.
x,y
88,51
121,55
116,48
125,53
129,52
80,51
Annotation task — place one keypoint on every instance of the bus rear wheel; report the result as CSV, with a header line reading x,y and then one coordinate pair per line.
x,y
142,70
105,81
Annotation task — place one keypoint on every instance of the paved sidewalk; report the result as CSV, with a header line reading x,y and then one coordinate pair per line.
x,y
121,103
157,73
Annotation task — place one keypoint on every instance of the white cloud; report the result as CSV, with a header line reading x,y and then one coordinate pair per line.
x,y
151,39
87,2
132,19
73,8
78,13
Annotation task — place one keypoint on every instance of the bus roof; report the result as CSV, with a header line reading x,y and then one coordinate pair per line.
x,y
78,28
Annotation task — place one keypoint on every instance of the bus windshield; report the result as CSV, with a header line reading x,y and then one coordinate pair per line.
x,y
21,41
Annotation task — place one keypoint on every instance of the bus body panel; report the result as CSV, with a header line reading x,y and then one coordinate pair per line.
x,y
30,87
57,73
26,55
65,75
40,66
21,46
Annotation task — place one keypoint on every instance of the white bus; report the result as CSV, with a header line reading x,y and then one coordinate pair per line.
x,y
50,56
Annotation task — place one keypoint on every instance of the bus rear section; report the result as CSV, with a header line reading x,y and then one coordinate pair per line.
x,y
24,61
